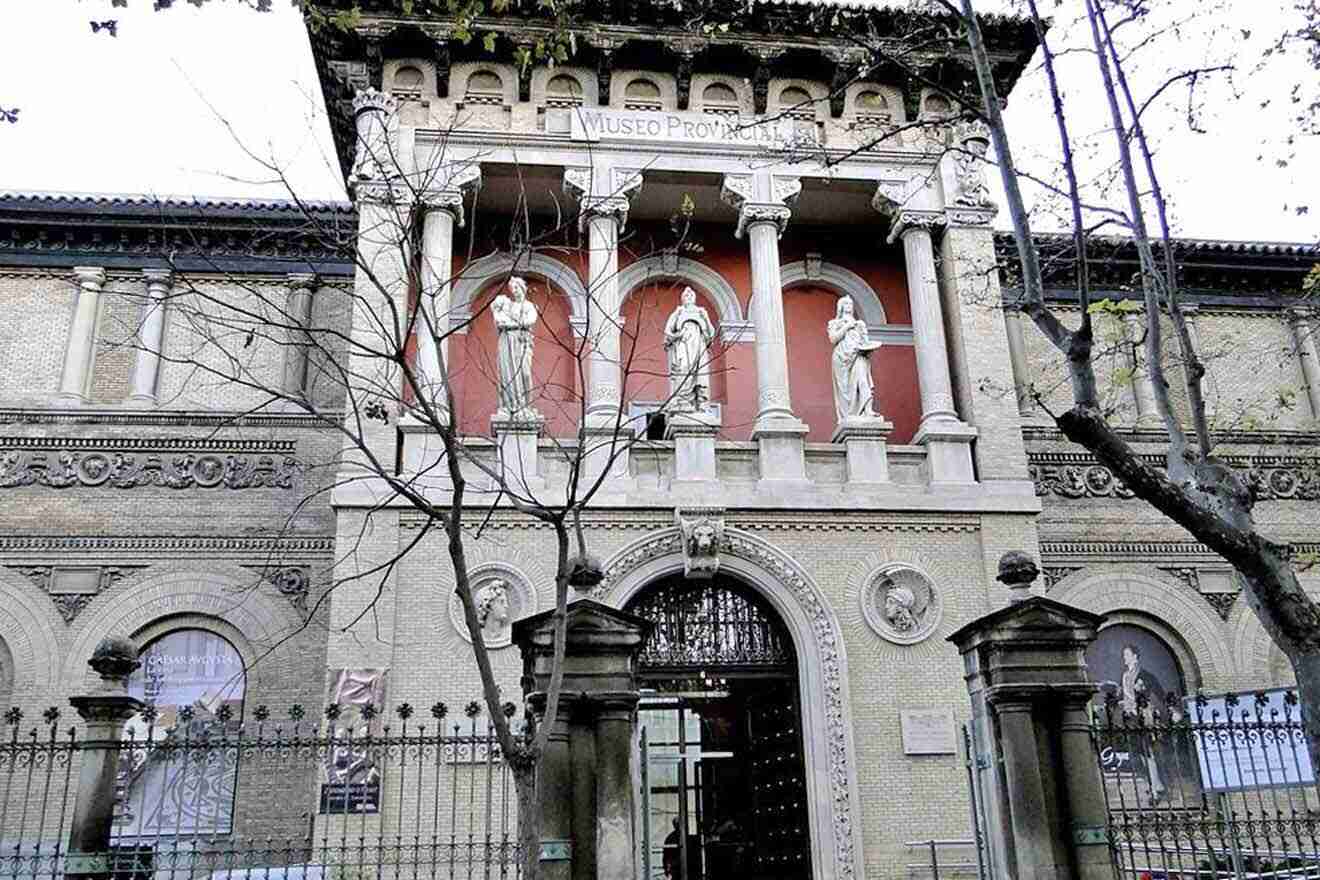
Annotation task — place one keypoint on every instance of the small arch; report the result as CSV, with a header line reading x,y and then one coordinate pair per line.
x,y
409,79
795,101
563,90
936,105
719,97
843,282
642,94
477,275
733,326
484,87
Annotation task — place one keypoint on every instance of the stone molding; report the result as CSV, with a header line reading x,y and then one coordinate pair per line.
x,y
480,273
161,444
115,416
166,544
1078,475
833,800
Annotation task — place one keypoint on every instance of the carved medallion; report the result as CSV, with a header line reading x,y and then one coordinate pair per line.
x,y
900,603
502,594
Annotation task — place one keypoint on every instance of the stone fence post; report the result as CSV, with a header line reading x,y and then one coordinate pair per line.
x,y
584,778
103,712
1025,667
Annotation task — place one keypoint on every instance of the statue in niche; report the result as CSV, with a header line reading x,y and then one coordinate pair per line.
x,y
851,363
493,609
514,319
688,335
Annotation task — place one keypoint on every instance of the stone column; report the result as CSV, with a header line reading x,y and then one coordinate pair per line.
x,y
1017,353
603,195
1143,393
103,712
1025,668
599,663
1304,336
443,213
297,347
764,203
947,438
80,352
151,336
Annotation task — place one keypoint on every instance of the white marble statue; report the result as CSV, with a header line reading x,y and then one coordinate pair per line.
x,y
851,363
688,335
514,319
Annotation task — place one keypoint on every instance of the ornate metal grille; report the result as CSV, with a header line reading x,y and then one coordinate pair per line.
x,y
710,626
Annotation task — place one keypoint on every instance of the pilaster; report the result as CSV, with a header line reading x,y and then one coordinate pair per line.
x,y
302,290
1299,320
1143,392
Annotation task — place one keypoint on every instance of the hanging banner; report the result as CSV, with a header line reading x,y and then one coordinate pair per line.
x,y
1263,746
350,781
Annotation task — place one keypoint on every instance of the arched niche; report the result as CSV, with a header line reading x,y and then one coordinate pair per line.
x,y
843,282
478,275
834,812
645,360
734,327
474,368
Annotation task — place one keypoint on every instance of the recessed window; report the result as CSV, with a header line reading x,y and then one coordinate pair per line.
x,y
563,91
408,81
936,105
719,98
484,87
872,108
795,102
642,94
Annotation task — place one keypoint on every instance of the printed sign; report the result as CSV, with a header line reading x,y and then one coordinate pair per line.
x,y
350,781
1259,750
927,732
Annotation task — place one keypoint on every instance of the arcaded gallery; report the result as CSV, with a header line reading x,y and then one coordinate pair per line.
x,y
731,249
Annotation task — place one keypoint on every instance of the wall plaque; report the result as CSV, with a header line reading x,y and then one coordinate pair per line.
x,y
928,732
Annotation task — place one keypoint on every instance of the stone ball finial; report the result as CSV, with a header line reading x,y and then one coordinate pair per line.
x,y
1017,571
585,572
114,659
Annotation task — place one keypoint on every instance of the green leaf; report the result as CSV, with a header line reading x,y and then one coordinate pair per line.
x,y
488,41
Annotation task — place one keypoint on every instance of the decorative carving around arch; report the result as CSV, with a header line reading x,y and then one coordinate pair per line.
x,y
27,629
843,282
834,810
1130,594
734,327
231,600
475,276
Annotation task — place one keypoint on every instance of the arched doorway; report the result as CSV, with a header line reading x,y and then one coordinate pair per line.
x,y
721,735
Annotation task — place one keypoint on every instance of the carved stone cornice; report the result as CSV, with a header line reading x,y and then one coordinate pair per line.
x,y
317,545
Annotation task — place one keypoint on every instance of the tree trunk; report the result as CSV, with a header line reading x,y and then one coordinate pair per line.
x,y
529,818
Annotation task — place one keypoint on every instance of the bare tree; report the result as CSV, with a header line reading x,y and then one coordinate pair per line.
x,y
369,357
1195,489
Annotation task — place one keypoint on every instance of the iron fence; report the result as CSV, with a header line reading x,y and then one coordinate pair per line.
x,y
288,799
1208,787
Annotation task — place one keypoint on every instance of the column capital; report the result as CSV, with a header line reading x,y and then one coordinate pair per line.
x,y
913,220
158,277
89,276
761,198
386,193
448,192
371,100
604,192
304,280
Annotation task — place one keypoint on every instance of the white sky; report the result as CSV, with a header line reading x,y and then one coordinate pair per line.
x,y
147,111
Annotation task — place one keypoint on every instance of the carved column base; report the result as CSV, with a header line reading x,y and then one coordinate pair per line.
x,y
948,445
693,434
781,442
516,438
866,440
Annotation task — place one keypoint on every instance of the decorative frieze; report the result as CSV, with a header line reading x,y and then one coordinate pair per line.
x,y
64,470
1271,478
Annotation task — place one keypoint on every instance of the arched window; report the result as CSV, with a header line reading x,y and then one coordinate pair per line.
x,y
719,98
408,81
563,91
642,94
872,108
484,87
193,683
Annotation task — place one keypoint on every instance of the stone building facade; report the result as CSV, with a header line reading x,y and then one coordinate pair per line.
x,y
150,489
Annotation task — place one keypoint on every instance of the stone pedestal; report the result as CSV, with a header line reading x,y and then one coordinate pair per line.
x,y
607,446
694,435
781,444
948,445
103,712
1025,667
423,451
866,440
516,438
584,784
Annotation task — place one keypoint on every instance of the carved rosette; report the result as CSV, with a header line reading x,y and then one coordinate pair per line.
x,y
900,603
703,531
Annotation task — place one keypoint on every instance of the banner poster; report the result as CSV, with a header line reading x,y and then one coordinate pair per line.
x,y
350,780
1136,668
1263,746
